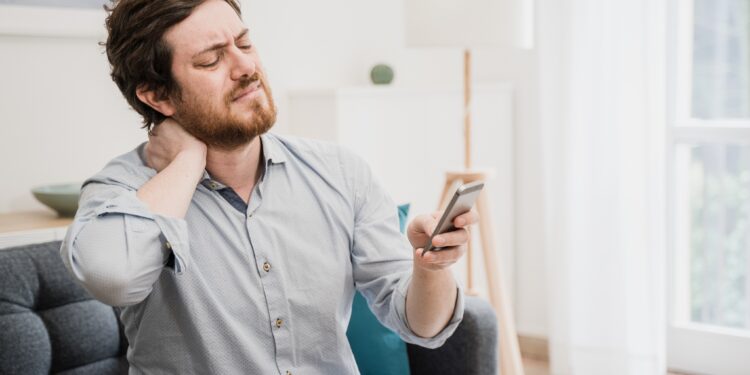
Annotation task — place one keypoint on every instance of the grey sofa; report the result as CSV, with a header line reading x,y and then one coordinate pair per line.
x,y
49,324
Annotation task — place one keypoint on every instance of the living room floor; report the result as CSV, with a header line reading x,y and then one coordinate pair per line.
x,y
535,366
541,367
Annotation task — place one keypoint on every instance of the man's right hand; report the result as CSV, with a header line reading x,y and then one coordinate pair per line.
x,y
180,159
169,140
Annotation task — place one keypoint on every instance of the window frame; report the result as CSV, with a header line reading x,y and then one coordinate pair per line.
x,y
692,347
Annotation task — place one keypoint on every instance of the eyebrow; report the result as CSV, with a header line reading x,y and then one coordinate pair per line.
x,y
218,46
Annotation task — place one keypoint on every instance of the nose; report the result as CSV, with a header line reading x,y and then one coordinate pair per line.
x,y
243,65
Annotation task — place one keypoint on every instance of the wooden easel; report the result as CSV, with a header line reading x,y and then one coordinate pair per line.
x,y
510,354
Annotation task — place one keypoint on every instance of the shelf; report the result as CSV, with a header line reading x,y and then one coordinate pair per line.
x,y
28,221
25,228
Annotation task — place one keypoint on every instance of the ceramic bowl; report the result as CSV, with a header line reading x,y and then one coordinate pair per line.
x,y
63,198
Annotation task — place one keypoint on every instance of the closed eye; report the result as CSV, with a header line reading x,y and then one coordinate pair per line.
x,y
211,64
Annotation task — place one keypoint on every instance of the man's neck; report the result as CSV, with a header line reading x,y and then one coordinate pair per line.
x,y
239,169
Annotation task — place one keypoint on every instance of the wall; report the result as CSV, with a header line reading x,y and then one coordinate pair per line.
x,y
61,118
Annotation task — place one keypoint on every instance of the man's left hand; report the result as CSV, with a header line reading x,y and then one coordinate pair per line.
x,y
453,243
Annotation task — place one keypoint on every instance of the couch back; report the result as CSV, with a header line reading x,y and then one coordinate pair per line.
x,y
51,325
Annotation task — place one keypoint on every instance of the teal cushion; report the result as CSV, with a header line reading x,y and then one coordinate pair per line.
x,y
377,349
403,214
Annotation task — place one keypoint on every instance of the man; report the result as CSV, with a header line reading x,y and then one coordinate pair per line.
x,y
231,250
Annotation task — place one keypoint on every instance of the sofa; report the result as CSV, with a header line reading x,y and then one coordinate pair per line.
x,y
50,325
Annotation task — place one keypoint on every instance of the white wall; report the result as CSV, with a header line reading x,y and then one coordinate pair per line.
x,y
61,118
519,68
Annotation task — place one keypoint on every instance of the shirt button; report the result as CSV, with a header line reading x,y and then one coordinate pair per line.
x,y
213,185
266,266
168,245
279,322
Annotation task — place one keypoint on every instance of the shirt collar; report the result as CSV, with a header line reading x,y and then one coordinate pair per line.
x,y
272,154
209,183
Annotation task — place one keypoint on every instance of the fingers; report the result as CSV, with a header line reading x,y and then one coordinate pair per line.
x,y
439,259
454,238
429,222
467,219
448,254
168,125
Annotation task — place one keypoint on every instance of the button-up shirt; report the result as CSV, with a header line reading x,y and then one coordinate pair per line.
x,y
236,288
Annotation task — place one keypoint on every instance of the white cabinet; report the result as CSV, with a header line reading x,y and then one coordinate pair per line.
x,y
412,136
8,240
25,228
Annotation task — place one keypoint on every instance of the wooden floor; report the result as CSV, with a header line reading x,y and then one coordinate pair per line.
x,y
535,367
540,367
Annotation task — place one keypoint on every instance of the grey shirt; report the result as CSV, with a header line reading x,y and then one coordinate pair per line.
x,y
265,288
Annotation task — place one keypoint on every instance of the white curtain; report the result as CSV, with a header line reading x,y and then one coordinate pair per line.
x,y
601,74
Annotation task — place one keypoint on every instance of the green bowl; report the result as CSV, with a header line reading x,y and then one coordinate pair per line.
x,y
63,198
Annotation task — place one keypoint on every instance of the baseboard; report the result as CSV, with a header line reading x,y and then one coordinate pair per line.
x,y
534,347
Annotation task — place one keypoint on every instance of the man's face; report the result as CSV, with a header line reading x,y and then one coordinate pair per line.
x,y
224,97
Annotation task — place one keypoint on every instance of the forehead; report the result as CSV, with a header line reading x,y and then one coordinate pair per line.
x,y
212,22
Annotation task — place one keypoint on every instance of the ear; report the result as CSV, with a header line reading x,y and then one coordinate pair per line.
x,y
150,98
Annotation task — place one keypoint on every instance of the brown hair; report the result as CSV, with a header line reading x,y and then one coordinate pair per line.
x,y
137,52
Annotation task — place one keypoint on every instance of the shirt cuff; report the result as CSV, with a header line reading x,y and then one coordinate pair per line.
x,y
406,332
174,231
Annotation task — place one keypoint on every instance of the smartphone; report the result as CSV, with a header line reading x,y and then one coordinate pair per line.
x,y
462,202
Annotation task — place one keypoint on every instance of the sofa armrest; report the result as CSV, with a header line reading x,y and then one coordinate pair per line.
x,y
49,323
473,348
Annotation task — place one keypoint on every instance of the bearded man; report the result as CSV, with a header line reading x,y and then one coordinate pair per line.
x,y
232,250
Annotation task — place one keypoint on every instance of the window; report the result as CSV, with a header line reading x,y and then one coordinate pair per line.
x,y
710,182
720,71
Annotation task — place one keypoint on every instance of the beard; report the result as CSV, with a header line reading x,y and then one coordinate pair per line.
x,y
221,128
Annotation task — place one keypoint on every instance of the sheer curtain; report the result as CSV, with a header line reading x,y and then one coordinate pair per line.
x,y
601,74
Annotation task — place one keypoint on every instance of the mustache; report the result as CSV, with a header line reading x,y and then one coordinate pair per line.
x,y
242,84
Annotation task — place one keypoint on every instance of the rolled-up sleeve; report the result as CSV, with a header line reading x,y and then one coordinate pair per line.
x,y
116,248
382,260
